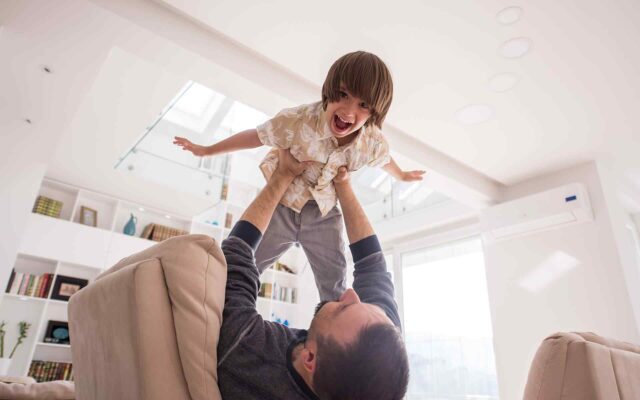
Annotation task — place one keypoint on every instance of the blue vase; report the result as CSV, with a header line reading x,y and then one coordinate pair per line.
x,y
130,227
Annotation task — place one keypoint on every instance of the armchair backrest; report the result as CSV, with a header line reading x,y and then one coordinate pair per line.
x,y
148,327
584,366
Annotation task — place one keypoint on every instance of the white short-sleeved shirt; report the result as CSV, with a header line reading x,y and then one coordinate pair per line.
x,y
304,130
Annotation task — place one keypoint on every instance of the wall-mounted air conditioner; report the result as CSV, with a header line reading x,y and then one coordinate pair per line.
x,y
551,209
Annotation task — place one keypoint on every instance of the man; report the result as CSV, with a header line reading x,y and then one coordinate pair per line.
x,y
353,348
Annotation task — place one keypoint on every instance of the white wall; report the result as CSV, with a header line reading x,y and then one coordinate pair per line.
x,y
569,279
20,185
613,183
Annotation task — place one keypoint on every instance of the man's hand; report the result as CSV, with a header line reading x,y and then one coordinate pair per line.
x,y
288,166
261,209
187,145
342,178
411,176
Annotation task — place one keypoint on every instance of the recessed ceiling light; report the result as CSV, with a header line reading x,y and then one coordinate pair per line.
x,y
474,114
509,15
503,82
141,209
168,216
516,47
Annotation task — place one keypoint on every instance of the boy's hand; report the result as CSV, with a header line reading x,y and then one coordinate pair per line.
x,y
342,178
186,144
288,166
411,176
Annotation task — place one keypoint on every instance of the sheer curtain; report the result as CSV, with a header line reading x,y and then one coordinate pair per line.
x,y
447,323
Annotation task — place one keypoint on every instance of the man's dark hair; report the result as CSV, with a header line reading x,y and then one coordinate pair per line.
x,y
374,366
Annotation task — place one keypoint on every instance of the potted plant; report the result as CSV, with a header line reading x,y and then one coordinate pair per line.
x,y
5,362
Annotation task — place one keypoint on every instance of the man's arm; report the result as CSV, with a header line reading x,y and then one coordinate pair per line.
x,y
371,280
356,221
243,279
261,209
257,216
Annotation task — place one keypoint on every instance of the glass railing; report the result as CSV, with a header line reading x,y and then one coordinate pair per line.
x,y
382,197
203,116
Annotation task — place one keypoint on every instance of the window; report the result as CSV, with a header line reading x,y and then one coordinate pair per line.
x,y
447,323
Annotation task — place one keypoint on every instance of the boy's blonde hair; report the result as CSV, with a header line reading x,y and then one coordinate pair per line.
x,y
365,76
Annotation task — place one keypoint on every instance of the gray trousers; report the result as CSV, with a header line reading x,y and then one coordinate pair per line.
x,y
320,238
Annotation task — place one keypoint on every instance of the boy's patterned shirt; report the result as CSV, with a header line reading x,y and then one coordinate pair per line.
x,y
304,130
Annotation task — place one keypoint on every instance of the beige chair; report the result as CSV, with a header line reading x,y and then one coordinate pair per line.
x,y
584,366
148,327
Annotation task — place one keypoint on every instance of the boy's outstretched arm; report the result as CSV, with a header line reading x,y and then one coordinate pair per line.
x,y
406,176
244,140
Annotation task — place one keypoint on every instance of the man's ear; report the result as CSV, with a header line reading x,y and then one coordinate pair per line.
x,y
308,360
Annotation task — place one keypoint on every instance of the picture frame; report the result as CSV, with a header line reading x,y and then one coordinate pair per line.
x,y
57,332
67,286
88,216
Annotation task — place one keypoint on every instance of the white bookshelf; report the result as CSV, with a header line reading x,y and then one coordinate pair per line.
x,y
64,246
279,310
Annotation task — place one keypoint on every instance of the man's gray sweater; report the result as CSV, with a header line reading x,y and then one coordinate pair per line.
x,y
254,355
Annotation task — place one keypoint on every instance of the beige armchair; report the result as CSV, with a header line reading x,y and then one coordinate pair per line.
x,y
148,327
584,366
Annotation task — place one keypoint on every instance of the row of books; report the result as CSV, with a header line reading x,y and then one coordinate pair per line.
x,y
275,291
47,206
44,371
29,284
278,266
159,233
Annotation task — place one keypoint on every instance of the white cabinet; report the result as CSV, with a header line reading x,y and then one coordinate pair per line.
x,y
65,241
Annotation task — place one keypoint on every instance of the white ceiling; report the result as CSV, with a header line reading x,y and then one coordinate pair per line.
x,y
576,99
578,88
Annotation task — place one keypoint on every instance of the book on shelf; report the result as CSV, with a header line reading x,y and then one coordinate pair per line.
x,y
44,371
33,285
275,291
278,266
228,220
29,291
158,233
47,206
266,289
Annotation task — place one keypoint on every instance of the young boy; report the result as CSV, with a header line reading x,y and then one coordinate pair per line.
x,y
344,129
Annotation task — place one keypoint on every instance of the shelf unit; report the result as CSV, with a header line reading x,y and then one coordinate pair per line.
x,y
64,246
277,310
38,311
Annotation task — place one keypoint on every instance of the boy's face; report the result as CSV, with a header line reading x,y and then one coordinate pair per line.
x,y
347,115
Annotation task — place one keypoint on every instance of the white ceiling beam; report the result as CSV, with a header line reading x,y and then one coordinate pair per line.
x,y
446,175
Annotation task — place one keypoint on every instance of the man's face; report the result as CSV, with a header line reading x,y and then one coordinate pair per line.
x,y
343,319
347,115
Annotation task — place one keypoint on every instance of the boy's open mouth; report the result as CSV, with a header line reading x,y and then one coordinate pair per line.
x,y
341,124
